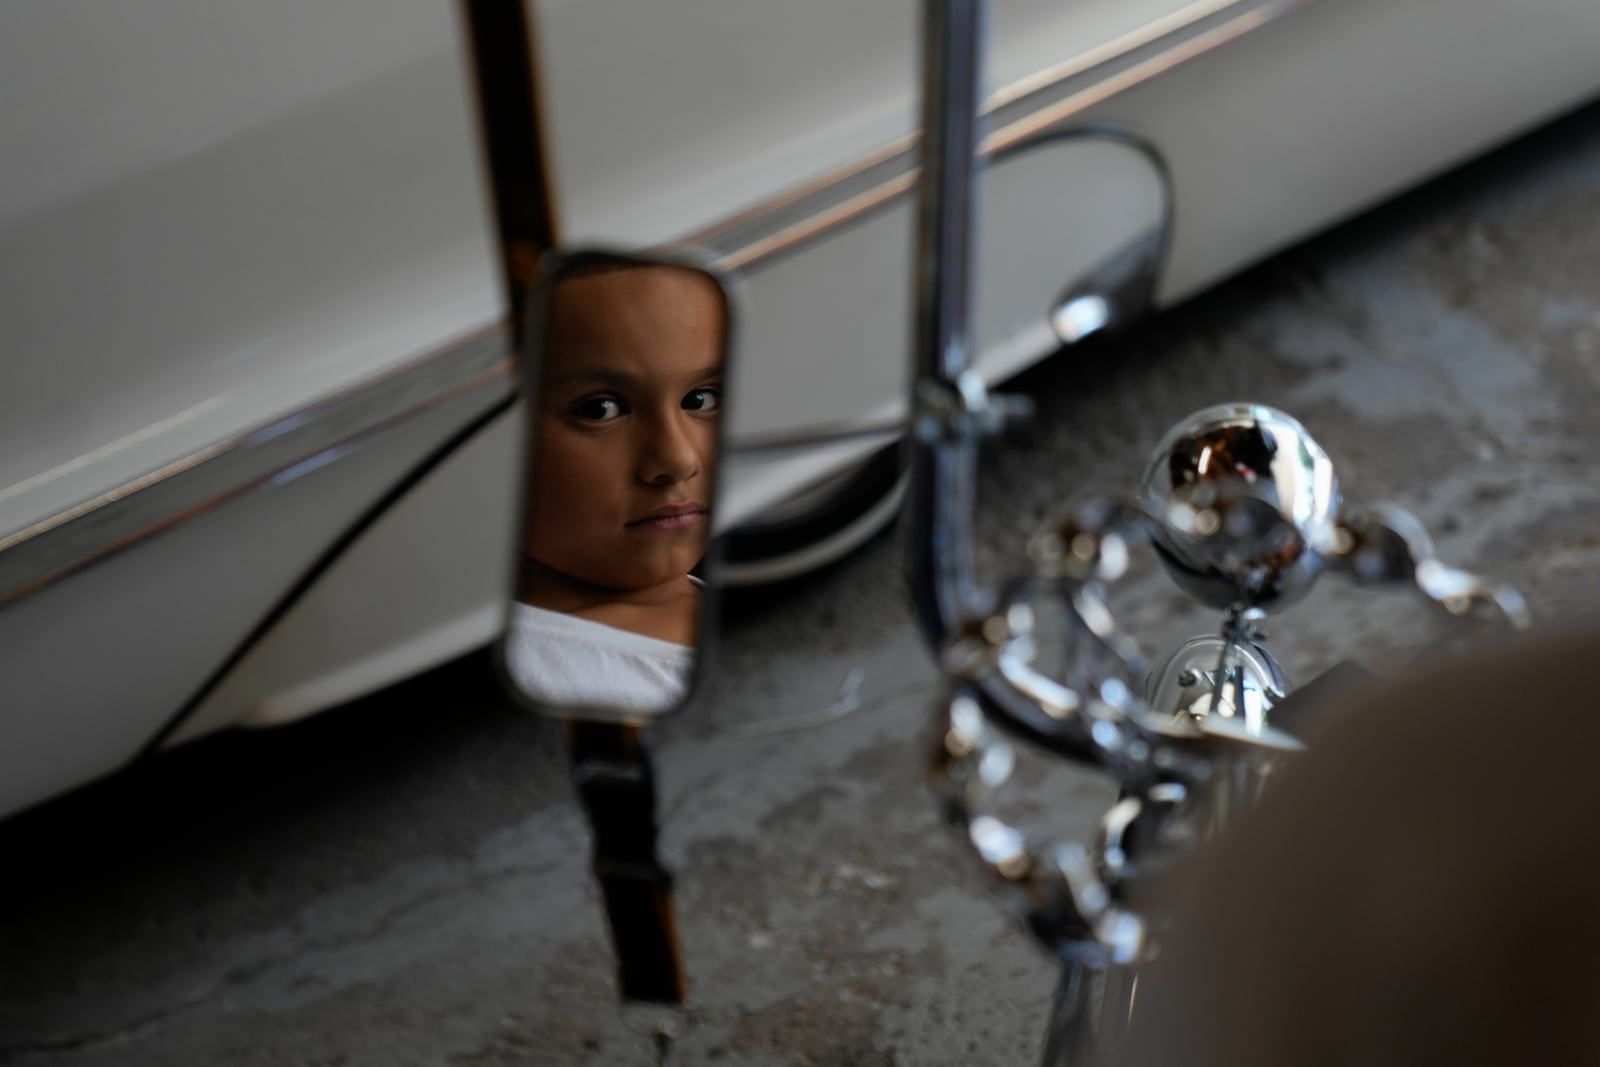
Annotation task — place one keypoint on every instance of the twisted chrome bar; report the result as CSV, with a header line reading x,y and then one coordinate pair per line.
x,y
1068,893
1386,545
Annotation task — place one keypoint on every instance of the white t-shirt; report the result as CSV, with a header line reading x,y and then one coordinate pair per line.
x,y
569,662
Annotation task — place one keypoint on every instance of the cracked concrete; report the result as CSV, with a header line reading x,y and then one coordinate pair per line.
x,y
405,881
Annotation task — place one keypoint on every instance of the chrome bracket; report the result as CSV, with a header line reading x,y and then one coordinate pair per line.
x,y
965,410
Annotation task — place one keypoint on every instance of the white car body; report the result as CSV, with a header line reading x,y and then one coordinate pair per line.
x,y
257,452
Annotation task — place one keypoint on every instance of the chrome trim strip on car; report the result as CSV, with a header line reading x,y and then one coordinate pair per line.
x,y
36,555
1015,115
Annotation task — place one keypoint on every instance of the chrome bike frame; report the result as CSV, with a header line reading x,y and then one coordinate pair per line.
x,y
1243,510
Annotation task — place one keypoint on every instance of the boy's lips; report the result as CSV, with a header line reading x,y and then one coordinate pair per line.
x,y
671,517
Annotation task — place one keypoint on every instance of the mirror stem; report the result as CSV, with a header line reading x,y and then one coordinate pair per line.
x,y
612,773
944,464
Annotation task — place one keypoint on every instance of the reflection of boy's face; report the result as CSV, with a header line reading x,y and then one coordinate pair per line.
x,y
625,432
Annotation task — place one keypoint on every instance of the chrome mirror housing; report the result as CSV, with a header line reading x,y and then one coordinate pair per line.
x,y
623,381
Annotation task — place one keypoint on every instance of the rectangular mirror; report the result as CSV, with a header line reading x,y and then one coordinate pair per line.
x,y
623,386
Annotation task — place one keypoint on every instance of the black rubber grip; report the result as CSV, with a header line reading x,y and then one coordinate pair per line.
x,y
612,773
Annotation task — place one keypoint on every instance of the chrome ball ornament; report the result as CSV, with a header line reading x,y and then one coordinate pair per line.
x,y
1246,504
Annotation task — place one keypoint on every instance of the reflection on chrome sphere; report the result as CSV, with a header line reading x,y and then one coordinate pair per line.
x,y
1247,503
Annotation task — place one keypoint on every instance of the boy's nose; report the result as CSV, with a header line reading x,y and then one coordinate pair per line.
x,y
670,455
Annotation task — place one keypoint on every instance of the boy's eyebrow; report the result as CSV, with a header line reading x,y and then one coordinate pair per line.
x,y
615,378
599,375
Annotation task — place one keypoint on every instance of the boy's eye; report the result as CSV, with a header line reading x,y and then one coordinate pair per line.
x,y
703,400
598,409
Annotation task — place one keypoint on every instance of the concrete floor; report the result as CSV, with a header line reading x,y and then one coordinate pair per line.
x,y
405,881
